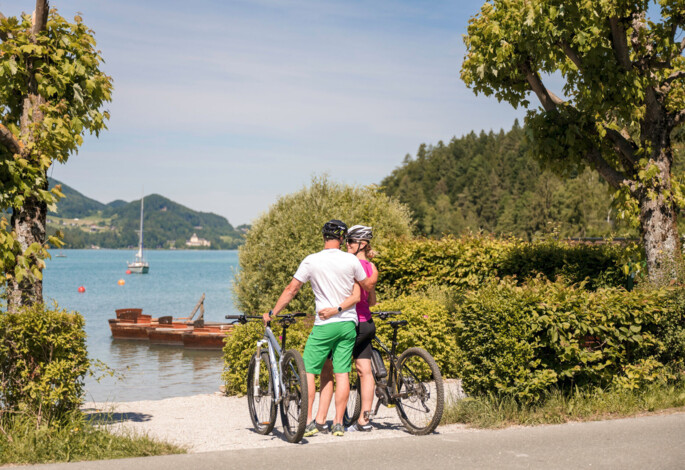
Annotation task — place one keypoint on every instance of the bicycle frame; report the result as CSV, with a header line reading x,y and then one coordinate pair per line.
x,y
276,359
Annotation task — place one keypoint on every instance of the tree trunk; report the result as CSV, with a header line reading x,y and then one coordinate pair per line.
x,y
658,218
29,223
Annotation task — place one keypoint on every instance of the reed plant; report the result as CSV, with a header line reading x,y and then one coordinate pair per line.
x,y
492,411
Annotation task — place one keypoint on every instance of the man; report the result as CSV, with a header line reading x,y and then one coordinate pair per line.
x,y
333,275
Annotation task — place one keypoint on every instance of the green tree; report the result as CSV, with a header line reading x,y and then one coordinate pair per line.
x,y
623,96
51,92
281,238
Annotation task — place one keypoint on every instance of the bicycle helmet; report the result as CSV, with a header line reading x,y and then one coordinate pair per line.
x,y
360,232
335,229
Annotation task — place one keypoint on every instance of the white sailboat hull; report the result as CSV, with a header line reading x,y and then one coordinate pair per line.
x,y
139,268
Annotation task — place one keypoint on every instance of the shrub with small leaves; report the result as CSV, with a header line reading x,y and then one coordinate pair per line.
x,y
523,340
43,361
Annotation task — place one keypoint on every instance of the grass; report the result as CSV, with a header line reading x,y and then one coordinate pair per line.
x,y
580,405
22,441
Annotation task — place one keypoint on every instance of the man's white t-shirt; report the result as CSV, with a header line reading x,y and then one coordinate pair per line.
x,y
332,274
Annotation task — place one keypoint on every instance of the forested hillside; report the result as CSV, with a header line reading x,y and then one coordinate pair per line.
x,y
86,222
488,182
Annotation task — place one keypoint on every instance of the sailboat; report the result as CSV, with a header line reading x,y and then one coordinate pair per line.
x,y
139,265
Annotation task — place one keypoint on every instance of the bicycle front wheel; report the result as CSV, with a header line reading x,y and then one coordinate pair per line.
x,y
420,394
354,403
260,394
295,398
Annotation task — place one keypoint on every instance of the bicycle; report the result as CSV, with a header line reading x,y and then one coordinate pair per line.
x,y
273,364
413,384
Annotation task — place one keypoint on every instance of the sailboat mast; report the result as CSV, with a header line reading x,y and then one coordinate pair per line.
x,y
140,244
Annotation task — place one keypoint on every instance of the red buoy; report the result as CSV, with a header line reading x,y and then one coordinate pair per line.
x,y
81,289
128,271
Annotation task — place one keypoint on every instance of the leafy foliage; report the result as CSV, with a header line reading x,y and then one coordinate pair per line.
x,y
43,361
51,93
281,238
523,341
622,70
407,265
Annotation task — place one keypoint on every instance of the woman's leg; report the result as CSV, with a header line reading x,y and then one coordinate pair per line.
x,y
367,385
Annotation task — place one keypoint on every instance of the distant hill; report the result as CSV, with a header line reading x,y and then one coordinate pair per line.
x,y
167,224
74,204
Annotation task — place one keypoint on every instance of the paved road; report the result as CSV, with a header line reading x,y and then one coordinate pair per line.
x,y
653,442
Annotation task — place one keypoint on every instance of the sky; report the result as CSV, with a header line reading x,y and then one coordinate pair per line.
x,y
224,106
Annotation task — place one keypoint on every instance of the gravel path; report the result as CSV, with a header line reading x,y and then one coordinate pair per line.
x,y
205,423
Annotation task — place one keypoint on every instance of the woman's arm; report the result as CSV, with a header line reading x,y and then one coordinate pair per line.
x,y
352,300
374,279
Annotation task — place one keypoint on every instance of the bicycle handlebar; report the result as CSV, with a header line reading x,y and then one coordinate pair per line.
x,y
245,318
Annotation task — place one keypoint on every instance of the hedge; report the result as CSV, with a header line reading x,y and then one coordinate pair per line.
x,y
408,265
524,340
43,361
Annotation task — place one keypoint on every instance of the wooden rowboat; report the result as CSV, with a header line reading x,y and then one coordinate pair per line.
x,y
132,324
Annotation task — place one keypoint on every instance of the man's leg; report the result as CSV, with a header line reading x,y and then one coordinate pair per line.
x,y
326,393
342,393
311,393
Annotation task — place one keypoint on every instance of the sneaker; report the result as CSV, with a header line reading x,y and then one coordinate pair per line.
x,y
338,430
356,427
314,428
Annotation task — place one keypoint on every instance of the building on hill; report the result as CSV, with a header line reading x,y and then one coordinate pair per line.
x,y
196,241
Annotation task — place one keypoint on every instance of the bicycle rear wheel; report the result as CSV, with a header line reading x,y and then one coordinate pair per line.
x,y
420,394
260,394
354,403
294,403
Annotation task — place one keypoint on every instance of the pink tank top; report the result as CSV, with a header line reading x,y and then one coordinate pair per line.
x,y
363,311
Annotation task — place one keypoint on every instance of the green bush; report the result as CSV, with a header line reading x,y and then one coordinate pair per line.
x,y
430,327
523,340
407,265
43,361
280,239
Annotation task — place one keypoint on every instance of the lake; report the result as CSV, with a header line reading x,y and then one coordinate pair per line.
x,y
175,283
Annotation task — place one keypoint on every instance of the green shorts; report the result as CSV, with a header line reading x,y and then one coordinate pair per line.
x,y
338,338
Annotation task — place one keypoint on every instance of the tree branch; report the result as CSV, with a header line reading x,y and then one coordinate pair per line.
x,y
548,99
40,16
619,43
8,140
615,178
572,54
624,146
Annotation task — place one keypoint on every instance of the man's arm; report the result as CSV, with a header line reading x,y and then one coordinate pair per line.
x,y
288,294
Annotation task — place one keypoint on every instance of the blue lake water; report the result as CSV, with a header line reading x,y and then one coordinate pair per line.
x,y
173,286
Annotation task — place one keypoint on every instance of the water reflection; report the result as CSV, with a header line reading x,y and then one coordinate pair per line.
x,y
152,372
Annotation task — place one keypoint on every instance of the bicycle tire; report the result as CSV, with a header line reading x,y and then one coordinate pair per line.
x,y
262,405
420,392
354,404
295,398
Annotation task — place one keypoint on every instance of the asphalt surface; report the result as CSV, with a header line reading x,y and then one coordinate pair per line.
x,y
650,442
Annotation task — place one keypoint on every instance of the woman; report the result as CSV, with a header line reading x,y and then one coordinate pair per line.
x,y
359,244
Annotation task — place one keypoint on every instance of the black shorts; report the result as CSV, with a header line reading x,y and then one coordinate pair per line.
x,y
366,330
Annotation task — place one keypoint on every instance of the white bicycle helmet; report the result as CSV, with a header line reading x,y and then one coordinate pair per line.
x,y
360,232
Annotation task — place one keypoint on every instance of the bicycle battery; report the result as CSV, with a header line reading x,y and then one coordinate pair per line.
x,y
379,370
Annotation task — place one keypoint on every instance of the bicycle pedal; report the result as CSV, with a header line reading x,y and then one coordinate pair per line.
x,y
391,405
